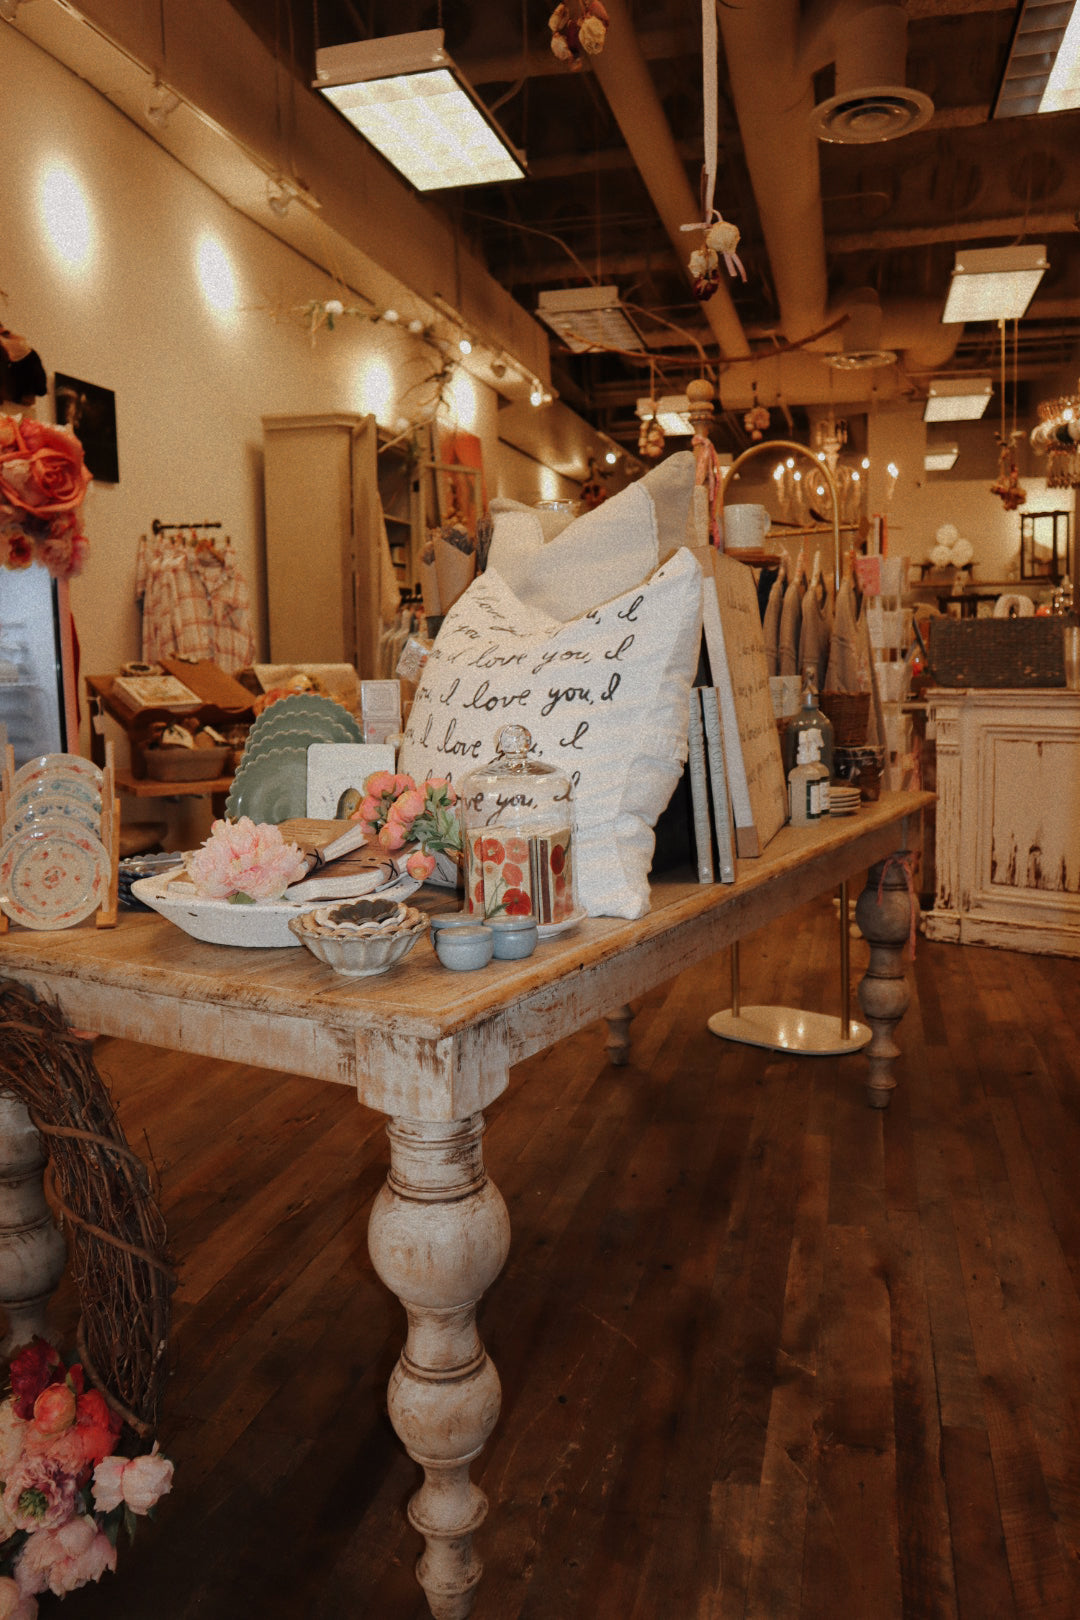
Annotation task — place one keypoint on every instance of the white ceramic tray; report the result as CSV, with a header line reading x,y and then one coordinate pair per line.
x,y
219,922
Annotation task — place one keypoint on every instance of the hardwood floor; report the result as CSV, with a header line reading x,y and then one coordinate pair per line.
x,y
764,1351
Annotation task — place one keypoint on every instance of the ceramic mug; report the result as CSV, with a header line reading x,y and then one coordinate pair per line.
x,y
745,527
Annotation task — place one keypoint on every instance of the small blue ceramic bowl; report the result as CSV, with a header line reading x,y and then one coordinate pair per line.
x,y
464,948
515,937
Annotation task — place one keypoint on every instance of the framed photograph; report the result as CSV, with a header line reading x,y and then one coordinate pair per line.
x,y
90,413
1044,545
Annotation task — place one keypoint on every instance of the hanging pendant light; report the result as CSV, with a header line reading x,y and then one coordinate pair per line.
x,y
1057,436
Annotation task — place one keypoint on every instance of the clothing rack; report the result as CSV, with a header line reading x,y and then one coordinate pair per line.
x,y
161,528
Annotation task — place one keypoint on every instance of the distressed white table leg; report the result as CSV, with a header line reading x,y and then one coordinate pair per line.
x,y
439,1234
33,1253
883,991
617,1044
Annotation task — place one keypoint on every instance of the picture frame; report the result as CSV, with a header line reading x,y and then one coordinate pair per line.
x,y
90,412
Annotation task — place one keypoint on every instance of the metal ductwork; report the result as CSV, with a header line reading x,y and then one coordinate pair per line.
x,y
623,75
770,48
868,44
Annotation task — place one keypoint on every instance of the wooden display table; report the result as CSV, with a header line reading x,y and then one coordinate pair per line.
x,y
432,1049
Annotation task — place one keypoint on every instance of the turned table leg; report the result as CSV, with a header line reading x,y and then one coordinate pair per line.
x,y
885,916
617,1044
439,1234
33,1253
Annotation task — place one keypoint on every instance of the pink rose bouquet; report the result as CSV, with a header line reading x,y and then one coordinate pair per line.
x,y
398,813
66,1492
244,861
43,481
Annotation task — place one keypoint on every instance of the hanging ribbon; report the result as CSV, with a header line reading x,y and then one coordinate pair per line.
x,y
721,237
710,475
906,863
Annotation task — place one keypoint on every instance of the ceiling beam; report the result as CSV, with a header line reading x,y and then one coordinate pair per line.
x,y
655,45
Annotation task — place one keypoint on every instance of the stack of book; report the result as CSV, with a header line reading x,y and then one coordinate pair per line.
x,y
714,835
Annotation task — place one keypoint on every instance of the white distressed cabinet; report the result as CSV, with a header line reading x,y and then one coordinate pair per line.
x,y
322,539
1008,819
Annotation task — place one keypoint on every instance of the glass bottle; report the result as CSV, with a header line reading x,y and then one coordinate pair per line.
x,y
517,833
808,783
809,718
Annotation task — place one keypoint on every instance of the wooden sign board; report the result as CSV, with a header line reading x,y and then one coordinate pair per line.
x,y
736,648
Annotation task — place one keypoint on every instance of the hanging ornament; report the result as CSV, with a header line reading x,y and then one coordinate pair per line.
x,y
757,419
1007,485
594,492
704,273
573,37
650,433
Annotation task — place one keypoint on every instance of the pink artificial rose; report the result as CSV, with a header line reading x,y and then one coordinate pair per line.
x,y
65,1558
392,835
435,782
407,807
54,1409
378,783
64,550
420,866
368,810
141,1482
15,1605
45,475
40,1494
403,784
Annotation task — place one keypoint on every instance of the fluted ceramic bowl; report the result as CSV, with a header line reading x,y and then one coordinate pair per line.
x,y
359,956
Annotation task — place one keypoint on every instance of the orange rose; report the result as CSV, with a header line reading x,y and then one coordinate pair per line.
x,y
45,475
54,1409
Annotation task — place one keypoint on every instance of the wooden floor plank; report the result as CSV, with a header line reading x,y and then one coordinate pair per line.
x,y
766,1354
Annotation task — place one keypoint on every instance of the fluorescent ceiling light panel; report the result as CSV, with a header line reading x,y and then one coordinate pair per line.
x,y
588,319
994,284
1042,74
671,413
957,399
1062,91
940,457
406,97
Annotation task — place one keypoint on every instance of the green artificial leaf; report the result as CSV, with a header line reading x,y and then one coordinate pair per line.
x,y
129,1522
241,899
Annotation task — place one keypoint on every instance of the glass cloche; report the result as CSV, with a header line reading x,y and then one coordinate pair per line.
x,y
517,825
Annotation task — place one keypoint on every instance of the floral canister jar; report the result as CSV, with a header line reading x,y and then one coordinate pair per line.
x,y
517,824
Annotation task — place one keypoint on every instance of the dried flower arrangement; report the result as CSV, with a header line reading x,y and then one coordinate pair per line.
x,y
76,1452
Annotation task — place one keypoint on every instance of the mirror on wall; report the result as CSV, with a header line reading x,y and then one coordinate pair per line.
x,y
1044,545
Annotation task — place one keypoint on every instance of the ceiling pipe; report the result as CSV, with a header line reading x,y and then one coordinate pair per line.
x,y
766,43
623,75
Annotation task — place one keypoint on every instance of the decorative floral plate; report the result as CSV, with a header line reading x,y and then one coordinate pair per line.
x,y
57,765
51,807
49,787
52,875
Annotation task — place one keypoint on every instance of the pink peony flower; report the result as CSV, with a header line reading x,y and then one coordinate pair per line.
x,y
420,866
139,1481
406,808
64,1558
392,835
13,1604
378,783
39,1494
54,1409
245,859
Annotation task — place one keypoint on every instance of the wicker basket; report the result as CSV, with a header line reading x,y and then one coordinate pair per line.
x,y
849,713
999,653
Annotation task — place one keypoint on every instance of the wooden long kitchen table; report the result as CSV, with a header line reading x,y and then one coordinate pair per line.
x,y
432,1049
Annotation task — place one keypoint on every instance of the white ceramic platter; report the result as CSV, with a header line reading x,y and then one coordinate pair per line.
x,y
564,924
52,875
218,922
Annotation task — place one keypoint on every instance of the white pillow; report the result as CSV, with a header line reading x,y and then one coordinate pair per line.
x,y
565,568
618,729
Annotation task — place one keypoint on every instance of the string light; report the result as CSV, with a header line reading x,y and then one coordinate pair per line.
x,y
464,345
